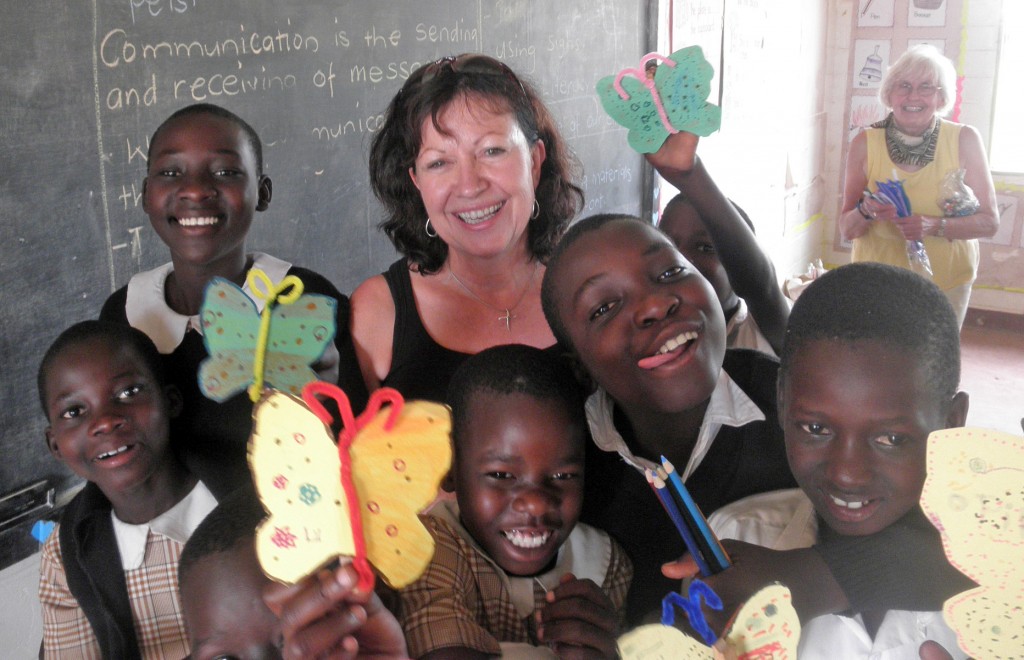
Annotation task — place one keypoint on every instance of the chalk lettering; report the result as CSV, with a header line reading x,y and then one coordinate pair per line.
x,y
375,74
156,7
119,98
370,124
321,79
129,196
200,88
117,48
135,151
565,43
374,39
455,33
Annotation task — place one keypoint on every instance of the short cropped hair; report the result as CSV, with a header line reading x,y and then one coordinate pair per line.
x,y
115,334
514,369
547,290
877,302
210,109
426,93
231,522
923,60
681,197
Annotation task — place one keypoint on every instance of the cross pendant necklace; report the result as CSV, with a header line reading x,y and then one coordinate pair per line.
x,y
507,317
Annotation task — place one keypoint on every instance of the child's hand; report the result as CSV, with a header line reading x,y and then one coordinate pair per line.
x,y
933,651
676,157
814,589
578,621
325,616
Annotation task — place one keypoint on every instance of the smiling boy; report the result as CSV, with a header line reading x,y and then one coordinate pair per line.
x,y
865,378
512,570
650,331
108,582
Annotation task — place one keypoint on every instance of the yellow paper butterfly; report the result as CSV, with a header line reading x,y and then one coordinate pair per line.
x,y
765,628
358,498
974,495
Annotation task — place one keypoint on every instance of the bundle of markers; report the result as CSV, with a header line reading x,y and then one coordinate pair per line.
x,y
891,192
693,527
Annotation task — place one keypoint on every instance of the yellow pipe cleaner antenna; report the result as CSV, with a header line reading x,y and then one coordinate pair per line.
x,y
264,289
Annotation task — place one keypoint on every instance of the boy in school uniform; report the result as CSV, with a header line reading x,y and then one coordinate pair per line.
x,y
648,329
108,576
512,571
865,378
222,598
204,184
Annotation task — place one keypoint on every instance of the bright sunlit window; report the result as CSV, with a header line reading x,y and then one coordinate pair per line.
x,y
1007,148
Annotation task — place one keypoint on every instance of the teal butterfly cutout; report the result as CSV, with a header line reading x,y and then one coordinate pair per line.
x,y
250,349
673,100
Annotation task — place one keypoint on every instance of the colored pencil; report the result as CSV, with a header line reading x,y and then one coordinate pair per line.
x,y
665,497
715,554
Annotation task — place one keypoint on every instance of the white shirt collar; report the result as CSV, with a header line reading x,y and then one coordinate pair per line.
x,y
177,524
729,406
146,305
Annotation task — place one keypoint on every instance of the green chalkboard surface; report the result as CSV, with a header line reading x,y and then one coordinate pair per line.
x,y
83,84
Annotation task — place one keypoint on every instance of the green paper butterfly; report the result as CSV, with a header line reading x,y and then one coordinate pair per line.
x,y
674,100
249,349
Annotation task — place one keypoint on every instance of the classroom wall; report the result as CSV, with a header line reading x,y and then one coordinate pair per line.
x,y
769,155
866,33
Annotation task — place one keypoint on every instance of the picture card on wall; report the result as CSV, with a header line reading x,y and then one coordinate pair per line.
x,y
875,13
926,13
864,111
870,60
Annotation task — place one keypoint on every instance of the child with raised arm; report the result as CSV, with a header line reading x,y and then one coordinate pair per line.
x,y
205,182
864,380
648,329
108,576
512,570
222,597
717,237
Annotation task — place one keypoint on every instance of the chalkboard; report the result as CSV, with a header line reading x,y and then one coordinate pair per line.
x,y
83,85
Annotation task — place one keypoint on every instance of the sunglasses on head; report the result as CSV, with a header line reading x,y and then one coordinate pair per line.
x,y
473,64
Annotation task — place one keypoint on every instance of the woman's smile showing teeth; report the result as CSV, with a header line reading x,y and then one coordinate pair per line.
x,y
479,215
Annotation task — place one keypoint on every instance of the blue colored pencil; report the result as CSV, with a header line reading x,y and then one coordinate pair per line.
x,y
661,489
717,557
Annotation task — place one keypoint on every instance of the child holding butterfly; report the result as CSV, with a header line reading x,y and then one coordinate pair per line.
x,y
108,584
512,570
648,329
222,597
864,380
204,184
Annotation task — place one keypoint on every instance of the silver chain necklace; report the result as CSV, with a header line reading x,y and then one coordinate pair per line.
x,y
508,315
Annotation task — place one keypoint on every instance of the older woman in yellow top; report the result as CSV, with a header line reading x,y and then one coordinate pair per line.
x,y
914,144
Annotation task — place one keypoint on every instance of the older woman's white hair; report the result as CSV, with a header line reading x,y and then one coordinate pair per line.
x,y
920,62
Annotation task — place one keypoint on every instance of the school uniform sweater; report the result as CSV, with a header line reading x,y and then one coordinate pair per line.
x,y
739,461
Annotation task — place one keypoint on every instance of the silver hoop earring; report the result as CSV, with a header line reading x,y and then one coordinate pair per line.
x,y
536,209
428,230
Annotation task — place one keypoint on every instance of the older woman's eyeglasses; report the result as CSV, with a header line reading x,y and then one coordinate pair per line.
x,y
471,63
925,90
